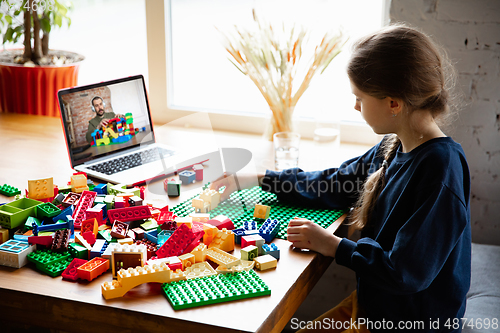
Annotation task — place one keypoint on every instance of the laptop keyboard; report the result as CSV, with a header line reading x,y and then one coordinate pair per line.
x,y
130,161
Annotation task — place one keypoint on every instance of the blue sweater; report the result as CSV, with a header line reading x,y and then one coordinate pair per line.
x,y
413,261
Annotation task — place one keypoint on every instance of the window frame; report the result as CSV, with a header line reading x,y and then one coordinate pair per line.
x,y
159,43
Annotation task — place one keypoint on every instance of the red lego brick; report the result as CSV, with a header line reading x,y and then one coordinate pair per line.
x,y
89,225
71,199
119,229
93,268
150,247
89,237
86,201
41,240
222,222
175,266
70,273
129,214
177,243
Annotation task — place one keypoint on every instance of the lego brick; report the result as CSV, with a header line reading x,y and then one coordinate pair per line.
x,y
163,236
71,199
187,260
101,189
78,251
9,191
256,240
214,289
129,214
198,170
105,234
93,268
212,197
150,224
16,259
200,217
89,237
244,265
78,180
41,188
199,270
200,205
200,252
82,241
14,246
250,225
97,212
151,236
15,213
125,256
238,233
223,240
221,257
249,252
169,225
58,199
188,221
269,229
64,214
28,225
240,207
119,229
86,201
61,240
272,250
38,230
89,225
139,233
221,222
4,235
172,187
49,262
261,211
70,273
187,177
135,201
265,262
132,277
125,241
98,248
151,247
177,243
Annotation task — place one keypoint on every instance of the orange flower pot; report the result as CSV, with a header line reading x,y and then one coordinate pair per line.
x,y
33,90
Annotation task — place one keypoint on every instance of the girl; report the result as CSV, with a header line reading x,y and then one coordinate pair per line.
x,y
412,261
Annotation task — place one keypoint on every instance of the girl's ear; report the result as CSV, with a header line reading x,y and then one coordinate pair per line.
x,y
396,106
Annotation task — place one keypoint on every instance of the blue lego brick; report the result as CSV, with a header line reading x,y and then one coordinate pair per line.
x,y
187,177
152,236
101,188
269,229
99,247
214,289
250,225
271,249
29,223
14,246
52,227
237,235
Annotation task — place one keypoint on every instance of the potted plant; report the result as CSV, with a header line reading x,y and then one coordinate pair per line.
x,y
30,77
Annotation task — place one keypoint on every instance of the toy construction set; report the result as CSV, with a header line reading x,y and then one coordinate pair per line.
x,y
81,230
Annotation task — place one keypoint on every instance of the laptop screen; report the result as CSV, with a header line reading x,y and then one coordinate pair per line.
x,y
105,118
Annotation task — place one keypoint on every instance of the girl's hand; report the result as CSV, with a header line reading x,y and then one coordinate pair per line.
x,y
234,183
306,234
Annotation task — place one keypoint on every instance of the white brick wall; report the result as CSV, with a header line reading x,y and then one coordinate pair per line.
x,y
452,23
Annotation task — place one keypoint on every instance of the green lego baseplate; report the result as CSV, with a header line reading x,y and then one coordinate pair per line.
x,y
240,207
49,262
214,289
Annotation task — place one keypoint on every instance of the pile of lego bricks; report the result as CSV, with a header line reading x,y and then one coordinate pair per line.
x,y
240,208
81,231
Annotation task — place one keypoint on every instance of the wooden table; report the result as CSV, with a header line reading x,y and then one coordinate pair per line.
x,y
33,147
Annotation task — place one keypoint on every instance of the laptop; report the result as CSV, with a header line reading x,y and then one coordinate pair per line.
x,y
109,133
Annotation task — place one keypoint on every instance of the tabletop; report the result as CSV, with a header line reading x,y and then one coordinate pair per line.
x,y
33,147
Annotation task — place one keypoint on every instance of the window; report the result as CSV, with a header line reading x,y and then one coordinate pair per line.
x,y
201,78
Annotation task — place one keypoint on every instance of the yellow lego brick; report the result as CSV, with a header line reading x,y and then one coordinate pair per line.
x,y
222,258
200,253
132,277
188,221
200,205
212,197
200,269
79,189
265,262
210,232
187,260
4,235
112,133
78,180
123,241
103,141
261,211
200,217
245,265
41,188
223,240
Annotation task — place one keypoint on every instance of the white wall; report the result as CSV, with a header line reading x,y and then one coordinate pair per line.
x,y
470,32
